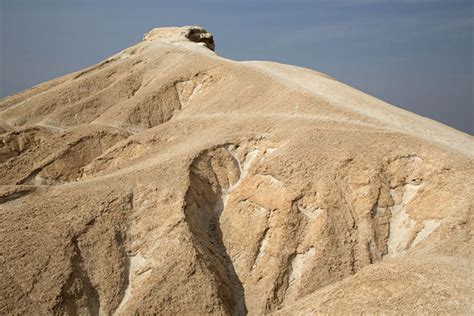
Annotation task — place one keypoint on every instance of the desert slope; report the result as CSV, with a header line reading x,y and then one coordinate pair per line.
x,y
167,179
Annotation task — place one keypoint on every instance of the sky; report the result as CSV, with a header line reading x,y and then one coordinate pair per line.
x,y
415,54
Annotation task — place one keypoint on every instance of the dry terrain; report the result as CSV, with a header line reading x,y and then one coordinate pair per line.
x,y
170,180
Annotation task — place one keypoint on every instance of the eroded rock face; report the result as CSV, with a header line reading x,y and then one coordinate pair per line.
x,y
166,180
196,34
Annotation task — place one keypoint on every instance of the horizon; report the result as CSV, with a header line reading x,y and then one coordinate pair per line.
x,y
414,54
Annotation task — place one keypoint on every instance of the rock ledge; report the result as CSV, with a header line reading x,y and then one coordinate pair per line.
x,y
196,34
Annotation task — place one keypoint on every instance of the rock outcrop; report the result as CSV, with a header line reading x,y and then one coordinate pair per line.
x,y
195,34
169,180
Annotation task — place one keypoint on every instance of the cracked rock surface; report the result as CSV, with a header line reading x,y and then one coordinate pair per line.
x,y
169,180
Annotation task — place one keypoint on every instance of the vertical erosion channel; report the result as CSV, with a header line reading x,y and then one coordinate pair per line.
x,y
211,175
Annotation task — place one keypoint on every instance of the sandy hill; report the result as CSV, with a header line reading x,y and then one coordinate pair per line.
x,y
169,180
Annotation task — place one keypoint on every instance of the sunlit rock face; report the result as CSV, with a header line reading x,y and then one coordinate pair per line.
x,y
169,180
194,34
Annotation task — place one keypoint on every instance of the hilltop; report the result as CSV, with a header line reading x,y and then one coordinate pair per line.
x,y
167,179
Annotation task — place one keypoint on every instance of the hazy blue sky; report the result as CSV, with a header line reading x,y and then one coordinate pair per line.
x,y
416,54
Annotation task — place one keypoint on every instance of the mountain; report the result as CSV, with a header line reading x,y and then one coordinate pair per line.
x,y
167,179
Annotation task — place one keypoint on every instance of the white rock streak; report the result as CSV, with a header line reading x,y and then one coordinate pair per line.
x,y
297,264
137,268
403,228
